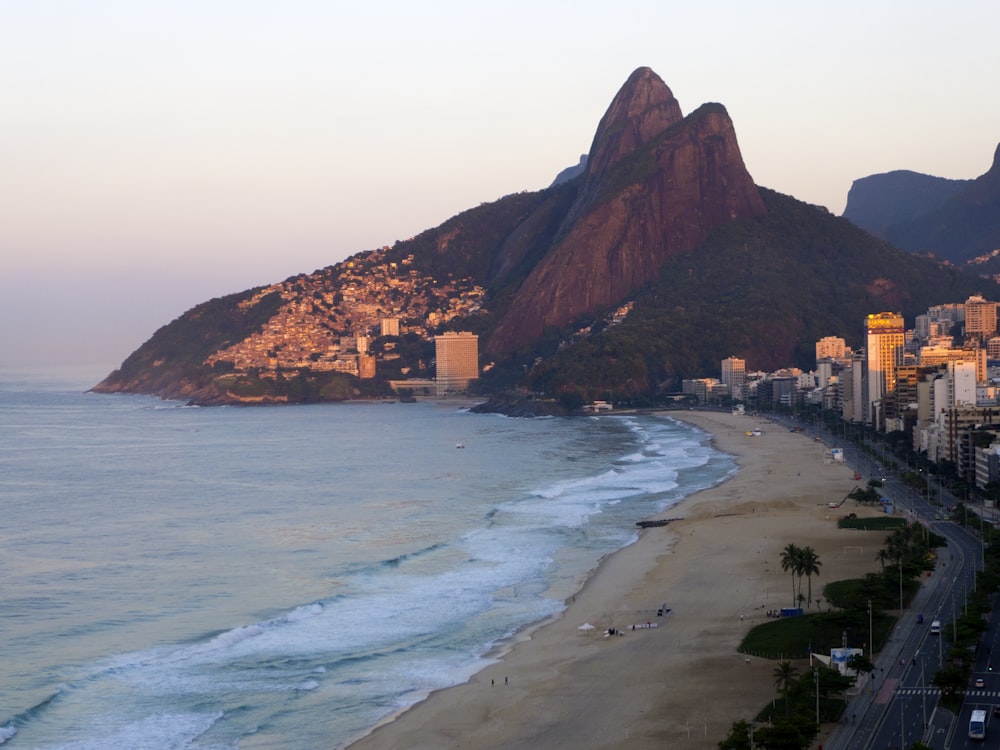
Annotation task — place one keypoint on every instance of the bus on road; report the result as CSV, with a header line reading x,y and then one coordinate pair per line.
x,y
977,725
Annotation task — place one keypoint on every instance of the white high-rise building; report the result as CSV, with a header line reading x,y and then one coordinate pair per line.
x,y
457,361
961,384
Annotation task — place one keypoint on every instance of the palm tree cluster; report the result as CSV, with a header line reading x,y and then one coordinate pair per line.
x,y
911,546
800,561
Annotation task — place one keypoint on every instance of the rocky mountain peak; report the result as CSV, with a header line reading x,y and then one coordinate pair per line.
x,y
651,189
656,184
642,109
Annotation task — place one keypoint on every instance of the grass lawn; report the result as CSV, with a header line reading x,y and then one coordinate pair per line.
x,y
792,637
872,523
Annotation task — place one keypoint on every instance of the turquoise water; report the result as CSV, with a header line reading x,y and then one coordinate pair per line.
x,y
182,577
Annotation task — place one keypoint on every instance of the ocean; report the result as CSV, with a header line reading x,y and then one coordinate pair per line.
x,y
288,577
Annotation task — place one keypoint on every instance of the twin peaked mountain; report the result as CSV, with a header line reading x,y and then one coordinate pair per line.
x,y
655,183
658,260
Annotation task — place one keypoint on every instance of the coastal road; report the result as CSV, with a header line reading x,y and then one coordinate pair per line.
x,y
898,705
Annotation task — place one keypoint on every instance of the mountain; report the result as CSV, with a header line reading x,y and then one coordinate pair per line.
x,y
881,201
660,258
655,184
956,220
763,289
571,172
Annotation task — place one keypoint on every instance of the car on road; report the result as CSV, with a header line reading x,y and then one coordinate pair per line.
x,y
980,682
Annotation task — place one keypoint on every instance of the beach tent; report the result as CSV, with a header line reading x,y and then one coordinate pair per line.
x,y
586,626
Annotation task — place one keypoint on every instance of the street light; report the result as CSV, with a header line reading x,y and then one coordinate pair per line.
x,y
954,621
816,674
902,726
900,584
923,691
871,651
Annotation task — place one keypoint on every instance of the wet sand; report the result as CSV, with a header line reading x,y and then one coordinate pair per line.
x,y
680,684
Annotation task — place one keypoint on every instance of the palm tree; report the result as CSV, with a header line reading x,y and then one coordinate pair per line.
x,y
809,566
896,546
790,557
784,676
883,557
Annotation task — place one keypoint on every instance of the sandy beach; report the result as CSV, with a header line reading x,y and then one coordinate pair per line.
x,y
680,684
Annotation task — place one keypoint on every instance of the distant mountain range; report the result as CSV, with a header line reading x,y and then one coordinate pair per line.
x,y
955,220
650,261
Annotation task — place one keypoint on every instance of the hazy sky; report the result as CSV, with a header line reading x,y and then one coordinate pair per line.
x,y
154,155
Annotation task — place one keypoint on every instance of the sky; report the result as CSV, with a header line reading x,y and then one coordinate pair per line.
x,y
155,155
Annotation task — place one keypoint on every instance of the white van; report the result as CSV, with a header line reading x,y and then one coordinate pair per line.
x,y
936,627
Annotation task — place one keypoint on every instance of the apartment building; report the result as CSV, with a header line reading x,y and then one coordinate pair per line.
x,y
884,345
734,375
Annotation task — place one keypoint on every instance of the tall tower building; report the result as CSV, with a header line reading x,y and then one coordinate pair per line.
x,y
734,375
457,361
852,389
884,341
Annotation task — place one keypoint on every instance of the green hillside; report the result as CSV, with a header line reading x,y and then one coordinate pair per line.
x,y
764,290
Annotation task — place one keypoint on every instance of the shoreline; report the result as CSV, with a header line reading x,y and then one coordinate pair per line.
x,y
677,679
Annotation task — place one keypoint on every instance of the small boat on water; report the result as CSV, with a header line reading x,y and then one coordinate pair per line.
x,y
459,445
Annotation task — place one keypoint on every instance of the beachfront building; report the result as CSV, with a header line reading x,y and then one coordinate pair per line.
x,y
734,375
885,338
366,366
457,357
852,389
704,390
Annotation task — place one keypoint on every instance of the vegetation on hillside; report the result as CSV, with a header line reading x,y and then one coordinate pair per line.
x,y
764,290
496,243
956,220
174,356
